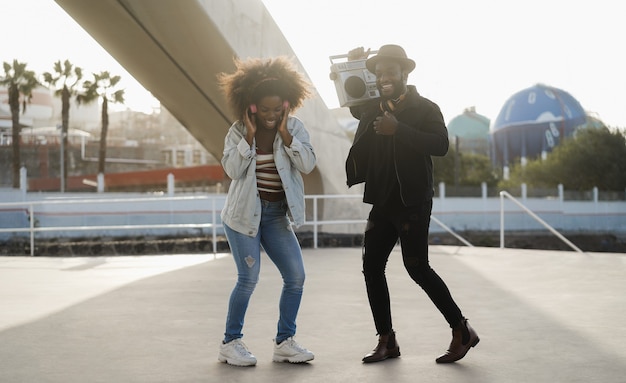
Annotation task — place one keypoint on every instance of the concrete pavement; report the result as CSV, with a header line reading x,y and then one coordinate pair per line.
x,y
543,316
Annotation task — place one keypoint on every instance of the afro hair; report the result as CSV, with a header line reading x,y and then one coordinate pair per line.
x,y
256,78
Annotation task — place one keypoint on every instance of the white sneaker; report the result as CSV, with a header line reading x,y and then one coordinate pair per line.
x,y
236,353
290,351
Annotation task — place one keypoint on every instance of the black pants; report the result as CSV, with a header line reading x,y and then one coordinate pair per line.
x,y
410,225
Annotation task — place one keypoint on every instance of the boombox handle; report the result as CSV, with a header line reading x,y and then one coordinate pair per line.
x,y
345,56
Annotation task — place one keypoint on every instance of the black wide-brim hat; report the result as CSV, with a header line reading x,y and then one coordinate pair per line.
x,y
390,52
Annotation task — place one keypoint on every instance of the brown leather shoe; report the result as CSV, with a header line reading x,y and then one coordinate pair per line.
x,y
463,338
387,348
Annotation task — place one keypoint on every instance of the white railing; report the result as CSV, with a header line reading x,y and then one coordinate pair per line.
x,y
449,230
214,225
33,229
316,223
535,216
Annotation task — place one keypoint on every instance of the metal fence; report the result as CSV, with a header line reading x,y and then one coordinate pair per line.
x,y
33,208
38,217
29,216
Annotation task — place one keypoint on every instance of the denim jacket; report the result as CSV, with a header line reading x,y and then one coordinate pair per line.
x,y
242,209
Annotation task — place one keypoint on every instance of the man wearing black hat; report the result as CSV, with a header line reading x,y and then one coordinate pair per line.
x,y
396,137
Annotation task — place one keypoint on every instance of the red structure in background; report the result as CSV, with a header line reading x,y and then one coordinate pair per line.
x,y
137,181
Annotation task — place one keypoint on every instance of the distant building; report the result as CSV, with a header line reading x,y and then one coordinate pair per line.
x,y
40,108
135,142
532,122
44,110
469,132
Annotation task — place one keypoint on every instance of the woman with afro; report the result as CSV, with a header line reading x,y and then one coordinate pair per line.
x,y
265,151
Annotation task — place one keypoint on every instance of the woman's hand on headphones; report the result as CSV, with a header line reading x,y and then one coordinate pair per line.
x,y
282,127
250,123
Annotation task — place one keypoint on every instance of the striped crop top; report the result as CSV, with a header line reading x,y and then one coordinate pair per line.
x,y
267,178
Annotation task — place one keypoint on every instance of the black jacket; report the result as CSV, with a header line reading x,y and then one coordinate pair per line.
x,y
421,132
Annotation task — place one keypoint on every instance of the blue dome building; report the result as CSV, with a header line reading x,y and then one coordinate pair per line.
x,y
532,122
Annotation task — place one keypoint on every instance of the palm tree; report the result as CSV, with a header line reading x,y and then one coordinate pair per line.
x,y
69,76
20,84
103,86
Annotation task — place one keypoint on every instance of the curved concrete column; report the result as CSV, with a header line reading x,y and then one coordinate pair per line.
x,y
175,49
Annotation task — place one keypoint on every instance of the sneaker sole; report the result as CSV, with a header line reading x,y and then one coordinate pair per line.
x,y
235,363
294,360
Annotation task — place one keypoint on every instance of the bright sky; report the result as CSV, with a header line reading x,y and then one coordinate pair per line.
x,y
468,53
40,32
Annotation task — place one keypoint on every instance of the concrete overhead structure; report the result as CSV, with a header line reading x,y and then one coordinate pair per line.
x,y
175,49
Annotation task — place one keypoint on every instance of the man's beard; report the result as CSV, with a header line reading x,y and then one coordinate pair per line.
x,y
398,90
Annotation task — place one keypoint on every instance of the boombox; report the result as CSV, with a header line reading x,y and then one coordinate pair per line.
x,y
353,82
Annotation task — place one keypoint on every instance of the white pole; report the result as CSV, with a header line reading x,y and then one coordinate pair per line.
x,y
100,183
23,180
315,222
501,220
62,162
170,185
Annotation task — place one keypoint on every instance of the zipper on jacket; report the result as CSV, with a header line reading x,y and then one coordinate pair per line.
x,y
395,166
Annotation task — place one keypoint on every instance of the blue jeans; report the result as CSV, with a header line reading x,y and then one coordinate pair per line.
x,y
281,245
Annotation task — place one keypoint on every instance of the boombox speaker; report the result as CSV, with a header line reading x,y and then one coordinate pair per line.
x,y
353,82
